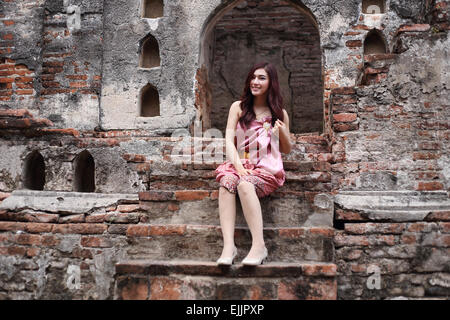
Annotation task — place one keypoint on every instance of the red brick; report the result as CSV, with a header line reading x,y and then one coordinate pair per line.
x,y
187,195
409,239
341,239
76,77
76,218
28,239
138,231
345,117
342,127
95,242
17,251
414,28
82,228
11,226
430,186
79,84
353,43
294,233
425,156
444,226
128,207
344,90
320,270
214,195
322,231
164,288
438,216
33,252
135,289
156,195
33,227
6,80
344,100
50,241
167,230
134,157
24,79
8,36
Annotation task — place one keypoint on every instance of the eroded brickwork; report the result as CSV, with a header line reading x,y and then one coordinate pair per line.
x,y
364,204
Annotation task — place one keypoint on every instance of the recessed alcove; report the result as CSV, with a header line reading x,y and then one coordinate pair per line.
x,y
34,171
284,33
149,53
373,6
149,102
84,172
152,9
374,43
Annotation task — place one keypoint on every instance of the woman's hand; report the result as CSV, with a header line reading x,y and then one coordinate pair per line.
x,y
243,172
279,126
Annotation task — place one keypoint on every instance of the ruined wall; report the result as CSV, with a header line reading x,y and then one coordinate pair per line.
x,y
65,89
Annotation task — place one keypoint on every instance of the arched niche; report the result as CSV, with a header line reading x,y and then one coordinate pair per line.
x,y
374,43
149,102
149,53
284,33
84,172
34,171
373,6
152,9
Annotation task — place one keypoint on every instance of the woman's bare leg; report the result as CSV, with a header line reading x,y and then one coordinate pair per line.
x,y
227,213
253,215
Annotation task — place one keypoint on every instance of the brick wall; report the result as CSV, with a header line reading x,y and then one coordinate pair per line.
x,y
393,259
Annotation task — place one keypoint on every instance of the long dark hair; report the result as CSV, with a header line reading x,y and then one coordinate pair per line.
x,y
274,98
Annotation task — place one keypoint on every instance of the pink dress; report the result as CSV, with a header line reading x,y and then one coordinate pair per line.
x,y
258,150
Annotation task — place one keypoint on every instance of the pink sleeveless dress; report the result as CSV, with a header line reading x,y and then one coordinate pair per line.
x,y
258,150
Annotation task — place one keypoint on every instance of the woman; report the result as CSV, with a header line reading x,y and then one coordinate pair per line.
x,y
257,131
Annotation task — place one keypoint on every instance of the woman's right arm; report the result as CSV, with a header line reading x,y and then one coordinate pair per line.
x,y
230,148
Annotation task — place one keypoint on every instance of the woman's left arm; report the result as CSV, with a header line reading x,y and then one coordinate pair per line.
x,y
282,128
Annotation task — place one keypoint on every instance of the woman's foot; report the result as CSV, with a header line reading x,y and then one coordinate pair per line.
x,y
227,256
255,257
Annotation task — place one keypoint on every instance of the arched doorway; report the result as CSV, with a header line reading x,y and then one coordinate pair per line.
x,y
283,33
34,171
84,172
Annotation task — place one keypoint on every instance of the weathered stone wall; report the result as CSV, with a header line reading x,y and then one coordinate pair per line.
x,y
66,88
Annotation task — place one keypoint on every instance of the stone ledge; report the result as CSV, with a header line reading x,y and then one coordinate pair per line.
x,y
62,202
398,205
206,268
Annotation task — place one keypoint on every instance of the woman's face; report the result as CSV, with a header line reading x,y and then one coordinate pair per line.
x,y
260,82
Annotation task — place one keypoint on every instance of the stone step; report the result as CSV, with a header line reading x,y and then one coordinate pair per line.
x,y
300,176
280,209
202,242
400,206
198,280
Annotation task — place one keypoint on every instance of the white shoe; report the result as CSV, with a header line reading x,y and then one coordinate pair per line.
x,y
229,260
255,262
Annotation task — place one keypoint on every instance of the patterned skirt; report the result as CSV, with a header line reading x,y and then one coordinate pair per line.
x,y
265,183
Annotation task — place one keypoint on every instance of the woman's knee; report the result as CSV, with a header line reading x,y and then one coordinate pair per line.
x,y
245,187
224,192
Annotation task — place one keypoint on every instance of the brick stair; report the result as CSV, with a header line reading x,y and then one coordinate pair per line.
x,y
195,280
171,252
